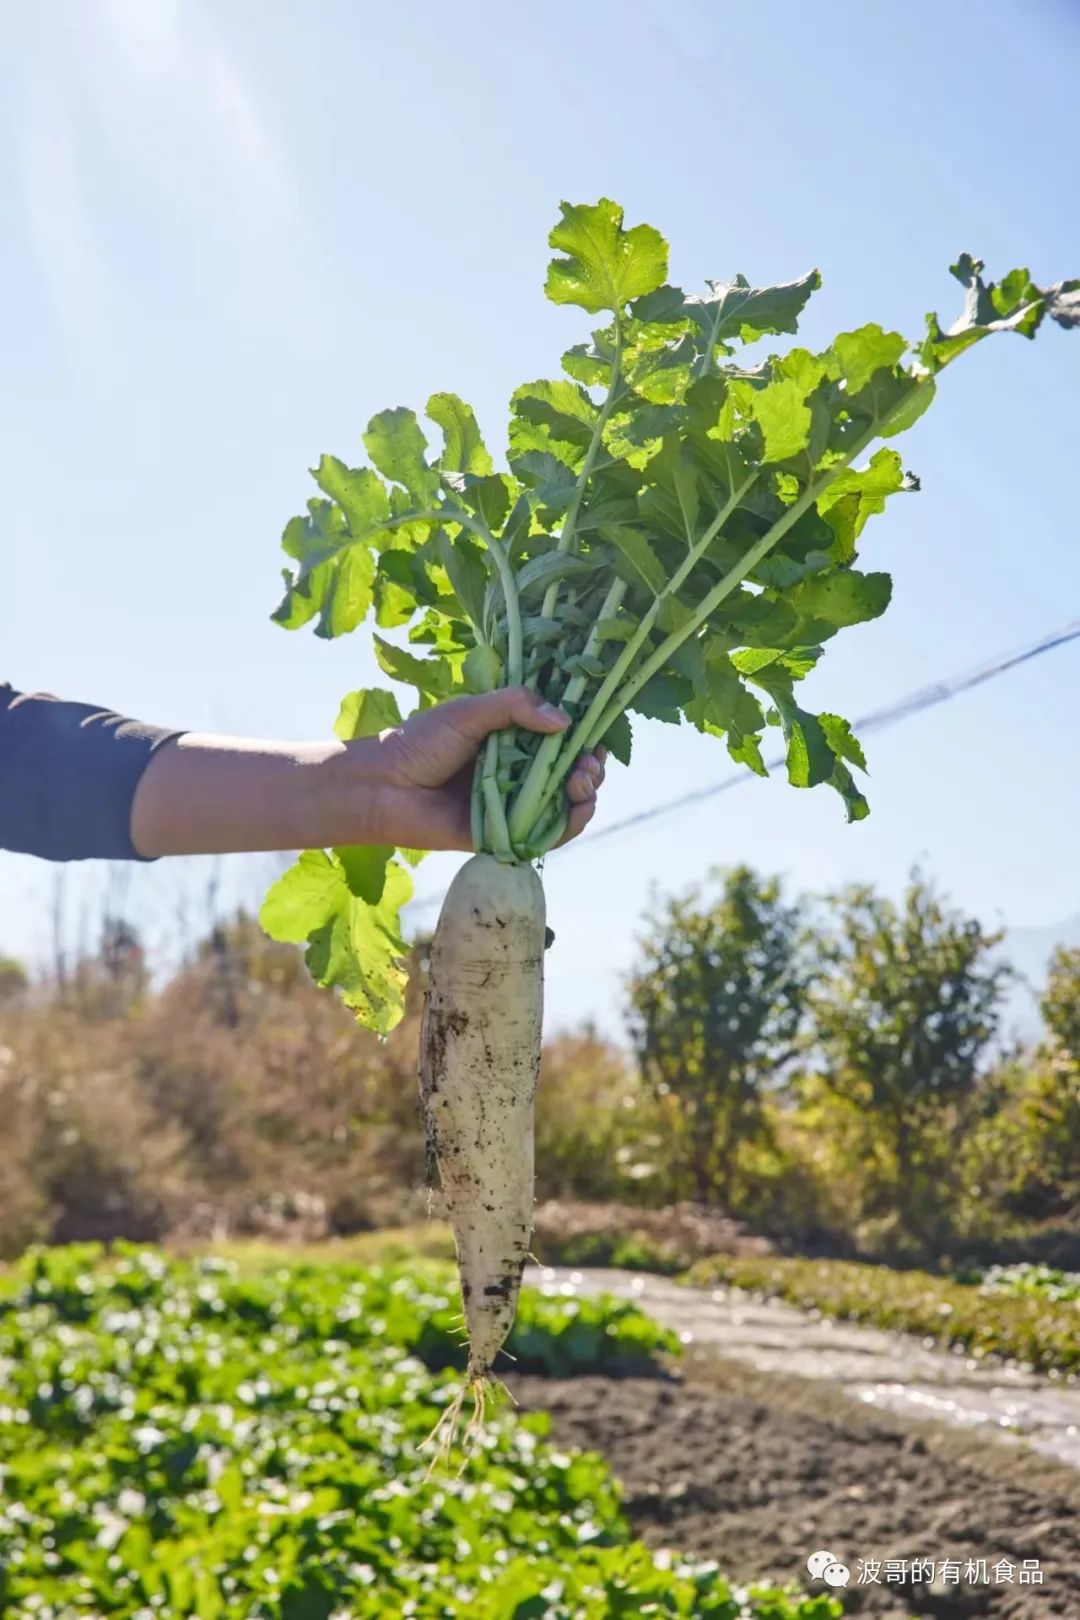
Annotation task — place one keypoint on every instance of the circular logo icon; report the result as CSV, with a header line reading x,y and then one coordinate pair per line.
x,y
819,1562
836,1575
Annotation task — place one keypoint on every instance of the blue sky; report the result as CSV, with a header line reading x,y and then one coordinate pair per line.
x,y
234,231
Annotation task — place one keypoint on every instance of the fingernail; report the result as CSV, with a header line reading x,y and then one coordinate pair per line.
x,y
549,711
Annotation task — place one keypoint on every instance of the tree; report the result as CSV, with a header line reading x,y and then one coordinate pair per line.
x,y
716,1003
1060,1005
1053,1094
903,1017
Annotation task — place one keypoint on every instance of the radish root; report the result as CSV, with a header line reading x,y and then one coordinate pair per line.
x,y
479,1063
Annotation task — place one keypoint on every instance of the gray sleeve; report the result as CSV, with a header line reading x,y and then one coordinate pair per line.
x,y
68,774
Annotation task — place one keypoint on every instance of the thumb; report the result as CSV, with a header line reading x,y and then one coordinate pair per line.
x,y
485,712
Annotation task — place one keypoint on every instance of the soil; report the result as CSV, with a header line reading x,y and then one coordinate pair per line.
x,y
759,1472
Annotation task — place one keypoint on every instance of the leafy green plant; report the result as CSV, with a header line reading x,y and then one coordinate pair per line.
x,y
675,535
413,1306
1027,1281
1060,1006
201,1443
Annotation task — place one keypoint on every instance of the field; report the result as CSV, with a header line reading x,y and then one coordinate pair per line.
x,y
241,1437
232,1426
201,1439
754,1471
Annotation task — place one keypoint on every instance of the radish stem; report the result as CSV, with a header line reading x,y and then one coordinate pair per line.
x,y
551,595
544,773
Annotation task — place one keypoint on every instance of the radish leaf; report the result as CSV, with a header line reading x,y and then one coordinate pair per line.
x,y
366,713
604,266
674,535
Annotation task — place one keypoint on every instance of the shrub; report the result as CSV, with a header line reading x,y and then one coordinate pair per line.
x,y
598,1134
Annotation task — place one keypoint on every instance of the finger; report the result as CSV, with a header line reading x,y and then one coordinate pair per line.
x,y
475,717
580,816
580,786
590,764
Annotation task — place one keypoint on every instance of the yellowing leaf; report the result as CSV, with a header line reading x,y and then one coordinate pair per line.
x,y
605,266
353,946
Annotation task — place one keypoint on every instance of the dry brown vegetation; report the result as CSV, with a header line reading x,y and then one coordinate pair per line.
x,y
237,1100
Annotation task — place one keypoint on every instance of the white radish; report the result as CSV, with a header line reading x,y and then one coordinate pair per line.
x,y
618,615
479,1063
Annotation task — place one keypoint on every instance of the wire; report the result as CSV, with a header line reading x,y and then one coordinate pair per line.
x,y
924,697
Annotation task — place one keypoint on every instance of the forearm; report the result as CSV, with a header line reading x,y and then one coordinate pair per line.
x,y
79,783
207,795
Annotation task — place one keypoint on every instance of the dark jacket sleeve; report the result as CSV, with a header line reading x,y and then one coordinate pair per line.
x,y
68,774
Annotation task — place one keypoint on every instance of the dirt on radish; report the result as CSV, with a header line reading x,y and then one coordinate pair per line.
x,y
479,1061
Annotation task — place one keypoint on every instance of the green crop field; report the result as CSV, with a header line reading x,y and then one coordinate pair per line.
x,y
218,1442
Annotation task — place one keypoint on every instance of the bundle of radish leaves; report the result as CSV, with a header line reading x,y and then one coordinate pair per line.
x,y
675,537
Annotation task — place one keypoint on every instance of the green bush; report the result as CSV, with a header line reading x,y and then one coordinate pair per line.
x,y
193,1441
598,1132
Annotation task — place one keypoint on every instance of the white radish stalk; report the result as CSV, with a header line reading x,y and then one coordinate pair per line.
x,y
479,1063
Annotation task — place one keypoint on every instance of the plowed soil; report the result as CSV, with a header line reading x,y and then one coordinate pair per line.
x,y
758,1473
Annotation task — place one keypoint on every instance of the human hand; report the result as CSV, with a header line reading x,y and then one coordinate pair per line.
x,y
420,774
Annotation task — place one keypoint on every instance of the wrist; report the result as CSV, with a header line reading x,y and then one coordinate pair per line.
x,y
341,795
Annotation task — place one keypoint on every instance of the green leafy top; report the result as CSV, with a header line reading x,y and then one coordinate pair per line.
x,y
675,536
605,266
